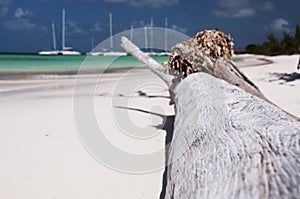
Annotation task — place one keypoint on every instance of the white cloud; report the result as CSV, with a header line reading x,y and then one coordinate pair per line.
x,y
144,3
21,21
72,27
141,23
238,13
18,25
241,8
280,25
22,13
268,6
233,3
44,28
137,3
178,28
97,27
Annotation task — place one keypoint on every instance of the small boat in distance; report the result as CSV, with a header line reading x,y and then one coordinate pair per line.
x,y
65,50
54,51
111,52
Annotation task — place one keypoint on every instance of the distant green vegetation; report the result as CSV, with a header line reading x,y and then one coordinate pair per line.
x,y
273,46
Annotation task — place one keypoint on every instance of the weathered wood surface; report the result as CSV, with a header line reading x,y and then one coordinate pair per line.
x,y
193,53
228,143
209,51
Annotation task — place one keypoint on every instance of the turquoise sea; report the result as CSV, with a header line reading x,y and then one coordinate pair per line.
x,y
20,64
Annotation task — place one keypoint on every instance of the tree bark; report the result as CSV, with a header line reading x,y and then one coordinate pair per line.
x,y
228,143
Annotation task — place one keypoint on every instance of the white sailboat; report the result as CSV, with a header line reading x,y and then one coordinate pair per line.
x,y
146,38
66,50
54,51
112,53
92,53
165,52
166,39
152,52
131,33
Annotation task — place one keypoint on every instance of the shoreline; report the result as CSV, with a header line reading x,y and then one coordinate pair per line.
x,y
49,74
248,60
26,83
42,154
242,61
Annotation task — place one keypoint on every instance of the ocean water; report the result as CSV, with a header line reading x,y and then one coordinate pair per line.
x,y
36,64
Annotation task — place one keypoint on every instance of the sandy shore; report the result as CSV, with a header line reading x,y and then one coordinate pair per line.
x,y
278,79
43,154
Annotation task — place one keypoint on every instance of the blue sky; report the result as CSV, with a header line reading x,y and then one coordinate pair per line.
x,y
26,24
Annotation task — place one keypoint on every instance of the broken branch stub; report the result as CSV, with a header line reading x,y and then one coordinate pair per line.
x,y
226,142
209,51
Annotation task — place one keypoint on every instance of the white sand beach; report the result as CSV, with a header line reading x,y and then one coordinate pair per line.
x,y
279,81
41,150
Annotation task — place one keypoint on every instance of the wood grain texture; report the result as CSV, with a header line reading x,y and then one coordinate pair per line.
x,y
192,52
228,143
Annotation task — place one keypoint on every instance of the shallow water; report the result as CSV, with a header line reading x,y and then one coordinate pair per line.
x,y
37,64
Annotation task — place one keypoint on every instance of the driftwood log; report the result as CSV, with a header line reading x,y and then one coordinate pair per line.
x,y
229,141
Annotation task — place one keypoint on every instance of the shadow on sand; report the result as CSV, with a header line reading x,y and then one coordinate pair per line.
x,y
143,94
139,94
287,77
168,126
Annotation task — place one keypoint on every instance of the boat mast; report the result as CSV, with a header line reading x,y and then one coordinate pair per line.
x,y
166,34
92,42
146,38
151,38
53,36
63,29
131,33
111,31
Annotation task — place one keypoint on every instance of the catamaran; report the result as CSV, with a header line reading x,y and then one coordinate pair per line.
x,y
65,50
152,50
54,51
112,53
92,53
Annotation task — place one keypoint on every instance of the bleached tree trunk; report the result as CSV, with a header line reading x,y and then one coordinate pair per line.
x,y
228,143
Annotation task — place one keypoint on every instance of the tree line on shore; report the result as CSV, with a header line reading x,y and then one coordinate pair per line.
x,y
289,44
